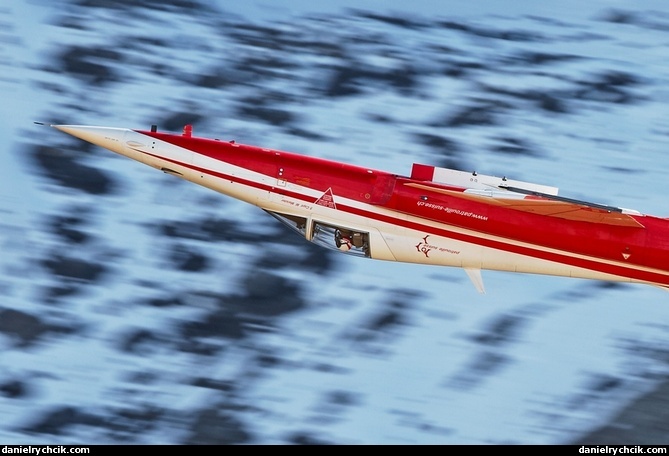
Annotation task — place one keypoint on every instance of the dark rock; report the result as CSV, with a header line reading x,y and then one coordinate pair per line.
x,y
642,422
482,366
387,319
268,360
489,32
405,78
214,79
208,229
551,103
272,116
159,5
447,150
185,259
554,101
74,268
57,420
377,332
13,389
318,260
618,16
265,296
209,383
300,253
66,227
307,134
608,87
62,290
269,295
305,438
65,169
514,146
136,341
399,21
22,326
343,398
220,324
461,70
502,330
354,78
541,58
173,301
438,143
128,423
344,82
93,65
217,427
143,377
484,114
606,383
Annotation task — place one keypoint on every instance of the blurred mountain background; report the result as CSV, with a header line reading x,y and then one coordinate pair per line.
x,y
138,308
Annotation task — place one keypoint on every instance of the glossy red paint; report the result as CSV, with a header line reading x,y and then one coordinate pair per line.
x,y
349,181
644,243
475,221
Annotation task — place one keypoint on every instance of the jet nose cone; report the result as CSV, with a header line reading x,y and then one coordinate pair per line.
x,y
107,137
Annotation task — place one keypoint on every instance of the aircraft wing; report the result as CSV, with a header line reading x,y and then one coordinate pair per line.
x,y
548,205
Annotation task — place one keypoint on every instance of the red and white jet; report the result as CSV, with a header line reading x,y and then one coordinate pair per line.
x,y
434,216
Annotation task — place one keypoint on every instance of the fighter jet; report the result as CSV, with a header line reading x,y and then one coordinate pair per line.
x,y
433,215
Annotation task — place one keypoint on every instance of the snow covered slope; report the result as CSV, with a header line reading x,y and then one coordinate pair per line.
x,y
137,308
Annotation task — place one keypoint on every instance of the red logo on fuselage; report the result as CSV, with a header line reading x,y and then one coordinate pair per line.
x,y
327,199
424,247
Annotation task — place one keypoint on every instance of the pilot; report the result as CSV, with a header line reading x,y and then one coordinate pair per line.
x,y
345,244
343,241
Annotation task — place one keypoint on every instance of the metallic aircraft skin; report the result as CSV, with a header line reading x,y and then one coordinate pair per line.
x,y
433,216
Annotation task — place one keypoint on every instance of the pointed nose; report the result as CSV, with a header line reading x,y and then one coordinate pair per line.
x,y
107,137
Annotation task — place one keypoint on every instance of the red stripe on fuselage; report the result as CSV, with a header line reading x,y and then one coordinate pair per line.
x,y
348,181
